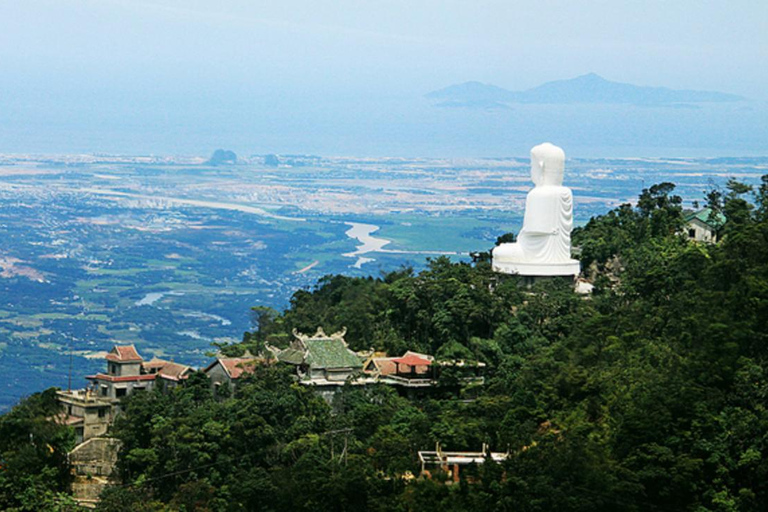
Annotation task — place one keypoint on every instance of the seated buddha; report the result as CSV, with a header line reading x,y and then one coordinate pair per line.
x,y
543,246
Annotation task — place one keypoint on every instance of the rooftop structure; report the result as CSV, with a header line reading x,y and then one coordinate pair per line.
x,y
320,359
89,414
124,354
451,462
127,372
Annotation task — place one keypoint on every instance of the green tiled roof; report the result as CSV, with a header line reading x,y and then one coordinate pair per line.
x,y
704,216
331,353
291,356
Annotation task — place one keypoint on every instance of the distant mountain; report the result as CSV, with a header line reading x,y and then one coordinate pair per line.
x,y
590,88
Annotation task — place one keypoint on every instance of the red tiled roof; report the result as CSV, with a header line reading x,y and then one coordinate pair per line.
x,y
123,354
237,365
127,378
234,366
412,360
155,363
167,369
385,365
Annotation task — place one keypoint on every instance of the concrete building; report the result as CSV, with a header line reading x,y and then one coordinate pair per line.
x,y
92,410
89,414
225,372
702,226
127,373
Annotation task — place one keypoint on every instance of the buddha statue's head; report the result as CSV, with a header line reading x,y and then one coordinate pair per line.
x,y
547,165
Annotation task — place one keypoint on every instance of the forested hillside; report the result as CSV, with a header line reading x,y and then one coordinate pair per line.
x,y
650,394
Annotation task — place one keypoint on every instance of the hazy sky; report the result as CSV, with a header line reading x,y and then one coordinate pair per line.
x,y
118,55
402,44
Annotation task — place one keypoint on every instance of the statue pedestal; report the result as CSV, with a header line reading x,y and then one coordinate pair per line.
x,y
569,268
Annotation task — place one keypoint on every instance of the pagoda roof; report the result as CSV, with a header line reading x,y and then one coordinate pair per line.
x,y
291,355
124,354
330,353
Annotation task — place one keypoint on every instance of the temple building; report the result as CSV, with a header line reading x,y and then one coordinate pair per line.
x,y
320,359
416,370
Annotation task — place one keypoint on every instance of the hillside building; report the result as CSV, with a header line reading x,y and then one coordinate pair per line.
x,y
92,410
127,373
451,463
320,359
225,372
702,225
416,370
412,369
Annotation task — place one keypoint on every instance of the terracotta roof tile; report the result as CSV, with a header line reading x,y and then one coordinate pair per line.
x,y
167,369
123,354
412,360
127,378
386,366
235,366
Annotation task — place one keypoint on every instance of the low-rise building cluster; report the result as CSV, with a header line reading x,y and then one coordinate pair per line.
x,y
322,361
91,410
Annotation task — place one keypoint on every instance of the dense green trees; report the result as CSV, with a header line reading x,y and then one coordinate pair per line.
x,y
33,456
651,394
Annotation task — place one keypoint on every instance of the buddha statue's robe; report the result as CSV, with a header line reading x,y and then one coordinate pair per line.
x,y
546,233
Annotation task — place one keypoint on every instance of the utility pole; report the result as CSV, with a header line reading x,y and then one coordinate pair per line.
x,y
69,378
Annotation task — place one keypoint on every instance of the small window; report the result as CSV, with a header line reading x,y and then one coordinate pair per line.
x,y
104,390
120,392
691,233
103,412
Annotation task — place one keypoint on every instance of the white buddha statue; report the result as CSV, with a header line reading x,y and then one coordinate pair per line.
x,y
543,246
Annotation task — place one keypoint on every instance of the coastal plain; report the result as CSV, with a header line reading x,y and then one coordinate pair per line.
x,y
170,253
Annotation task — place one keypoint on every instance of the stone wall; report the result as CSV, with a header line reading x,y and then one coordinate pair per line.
x,y
93,467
